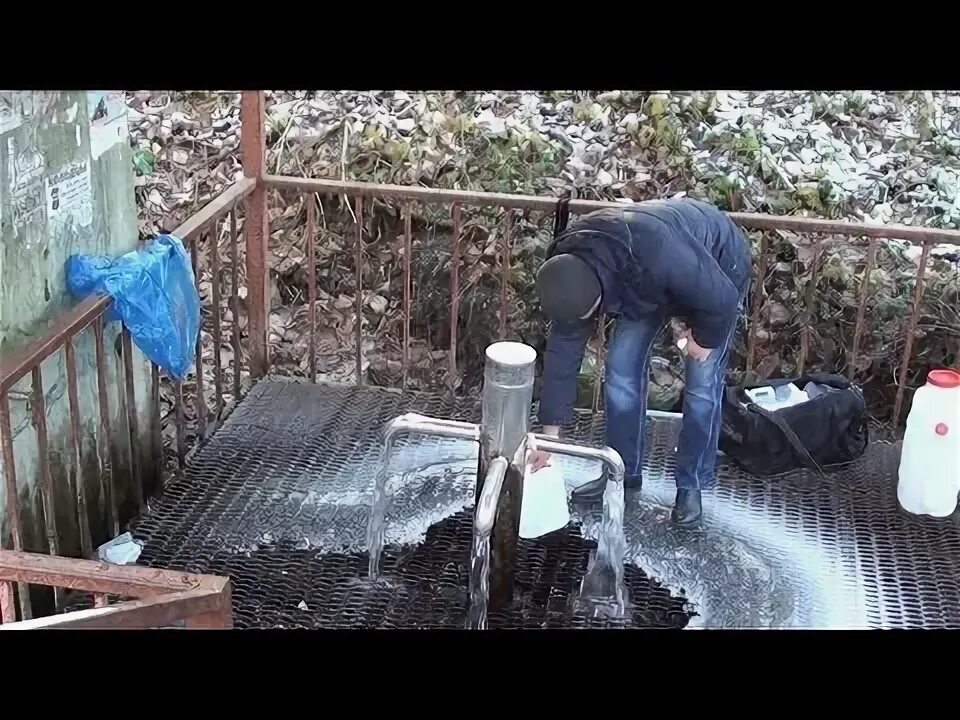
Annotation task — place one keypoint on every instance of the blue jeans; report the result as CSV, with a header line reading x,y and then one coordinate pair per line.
x,y
627,375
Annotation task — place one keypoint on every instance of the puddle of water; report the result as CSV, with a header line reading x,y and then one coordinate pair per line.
x,y
743,571
603,593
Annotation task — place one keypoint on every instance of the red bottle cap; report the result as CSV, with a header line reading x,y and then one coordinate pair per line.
x,y
944,378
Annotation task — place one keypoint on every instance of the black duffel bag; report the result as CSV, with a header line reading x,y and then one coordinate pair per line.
x,y
826,431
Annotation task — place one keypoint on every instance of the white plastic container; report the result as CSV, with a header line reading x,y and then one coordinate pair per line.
x,y
929,475
773,399
543,507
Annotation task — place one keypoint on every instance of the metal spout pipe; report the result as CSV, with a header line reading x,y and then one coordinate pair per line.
x,y
506,399
608,456
404,425
416,417
504,438
414,423
486,512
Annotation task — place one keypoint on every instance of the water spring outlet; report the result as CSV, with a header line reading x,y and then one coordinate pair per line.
x,y
504,444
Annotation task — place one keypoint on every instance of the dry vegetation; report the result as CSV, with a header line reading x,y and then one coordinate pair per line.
x,y
882,157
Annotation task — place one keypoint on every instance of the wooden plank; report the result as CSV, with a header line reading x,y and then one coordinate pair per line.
x,y
100,577
143,614
8,608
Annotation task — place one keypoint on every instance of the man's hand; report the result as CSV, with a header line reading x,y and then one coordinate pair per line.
x,y
539,459
700,354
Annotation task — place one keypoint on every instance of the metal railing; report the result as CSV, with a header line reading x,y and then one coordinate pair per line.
x,y
149,598
250,195
62,337
360,192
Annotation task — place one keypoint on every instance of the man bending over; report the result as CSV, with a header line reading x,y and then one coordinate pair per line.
x,y
643,265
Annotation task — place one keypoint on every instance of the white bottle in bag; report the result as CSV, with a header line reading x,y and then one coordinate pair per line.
x,y
929,476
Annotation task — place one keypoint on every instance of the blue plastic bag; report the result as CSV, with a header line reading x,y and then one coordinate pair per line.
x,y
153,295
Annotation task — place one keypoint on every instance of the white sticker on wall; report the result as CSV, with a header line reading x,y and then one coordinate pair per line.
x,y
69,195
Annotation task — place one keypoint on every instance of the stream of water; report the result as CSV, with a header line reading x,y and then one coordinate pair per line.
x,y
603,590
446,466
378,513
612,543
479,582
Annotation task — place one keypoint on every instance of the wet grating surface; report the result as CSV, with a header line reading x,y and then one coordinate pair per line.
x,y
279,500
424,586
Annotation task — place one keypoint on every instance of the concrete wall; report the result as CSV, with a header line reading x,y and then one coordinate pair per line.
x,y
66,186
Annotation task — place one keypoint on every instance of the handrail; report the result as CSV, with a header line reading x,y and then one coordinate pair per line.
x,y
159,597
220,205
159,611
15,366
755,221
18,363
99,577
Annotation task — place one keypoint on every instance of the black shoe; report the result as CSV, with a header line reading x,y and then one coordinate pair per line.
x,y
687,511
593,490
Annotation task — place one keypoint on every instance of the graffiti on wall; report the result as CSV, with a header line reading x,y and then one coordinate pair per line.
x,y
12,111
25,171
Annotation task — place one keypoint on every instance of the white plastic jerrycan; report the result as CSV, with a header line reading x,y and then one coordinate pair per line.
x,y
543,507
929,477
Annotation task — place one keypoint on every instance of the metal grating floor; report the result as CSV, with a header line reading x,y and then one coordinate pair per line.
x,y
278,500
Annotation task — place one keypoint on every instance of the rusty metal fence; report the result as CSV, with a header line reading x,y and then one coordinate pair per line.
x,y
148,598
243,209
360,193
62,337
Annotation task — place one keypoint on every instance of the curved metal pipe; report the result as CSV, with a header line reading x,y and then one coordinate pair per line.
x,y
611,543
414,417
606,455
414,423
401,425
486,512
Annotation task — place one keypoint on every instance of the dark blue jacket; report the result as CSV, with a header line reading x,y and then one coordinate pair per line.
x,y
675,258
